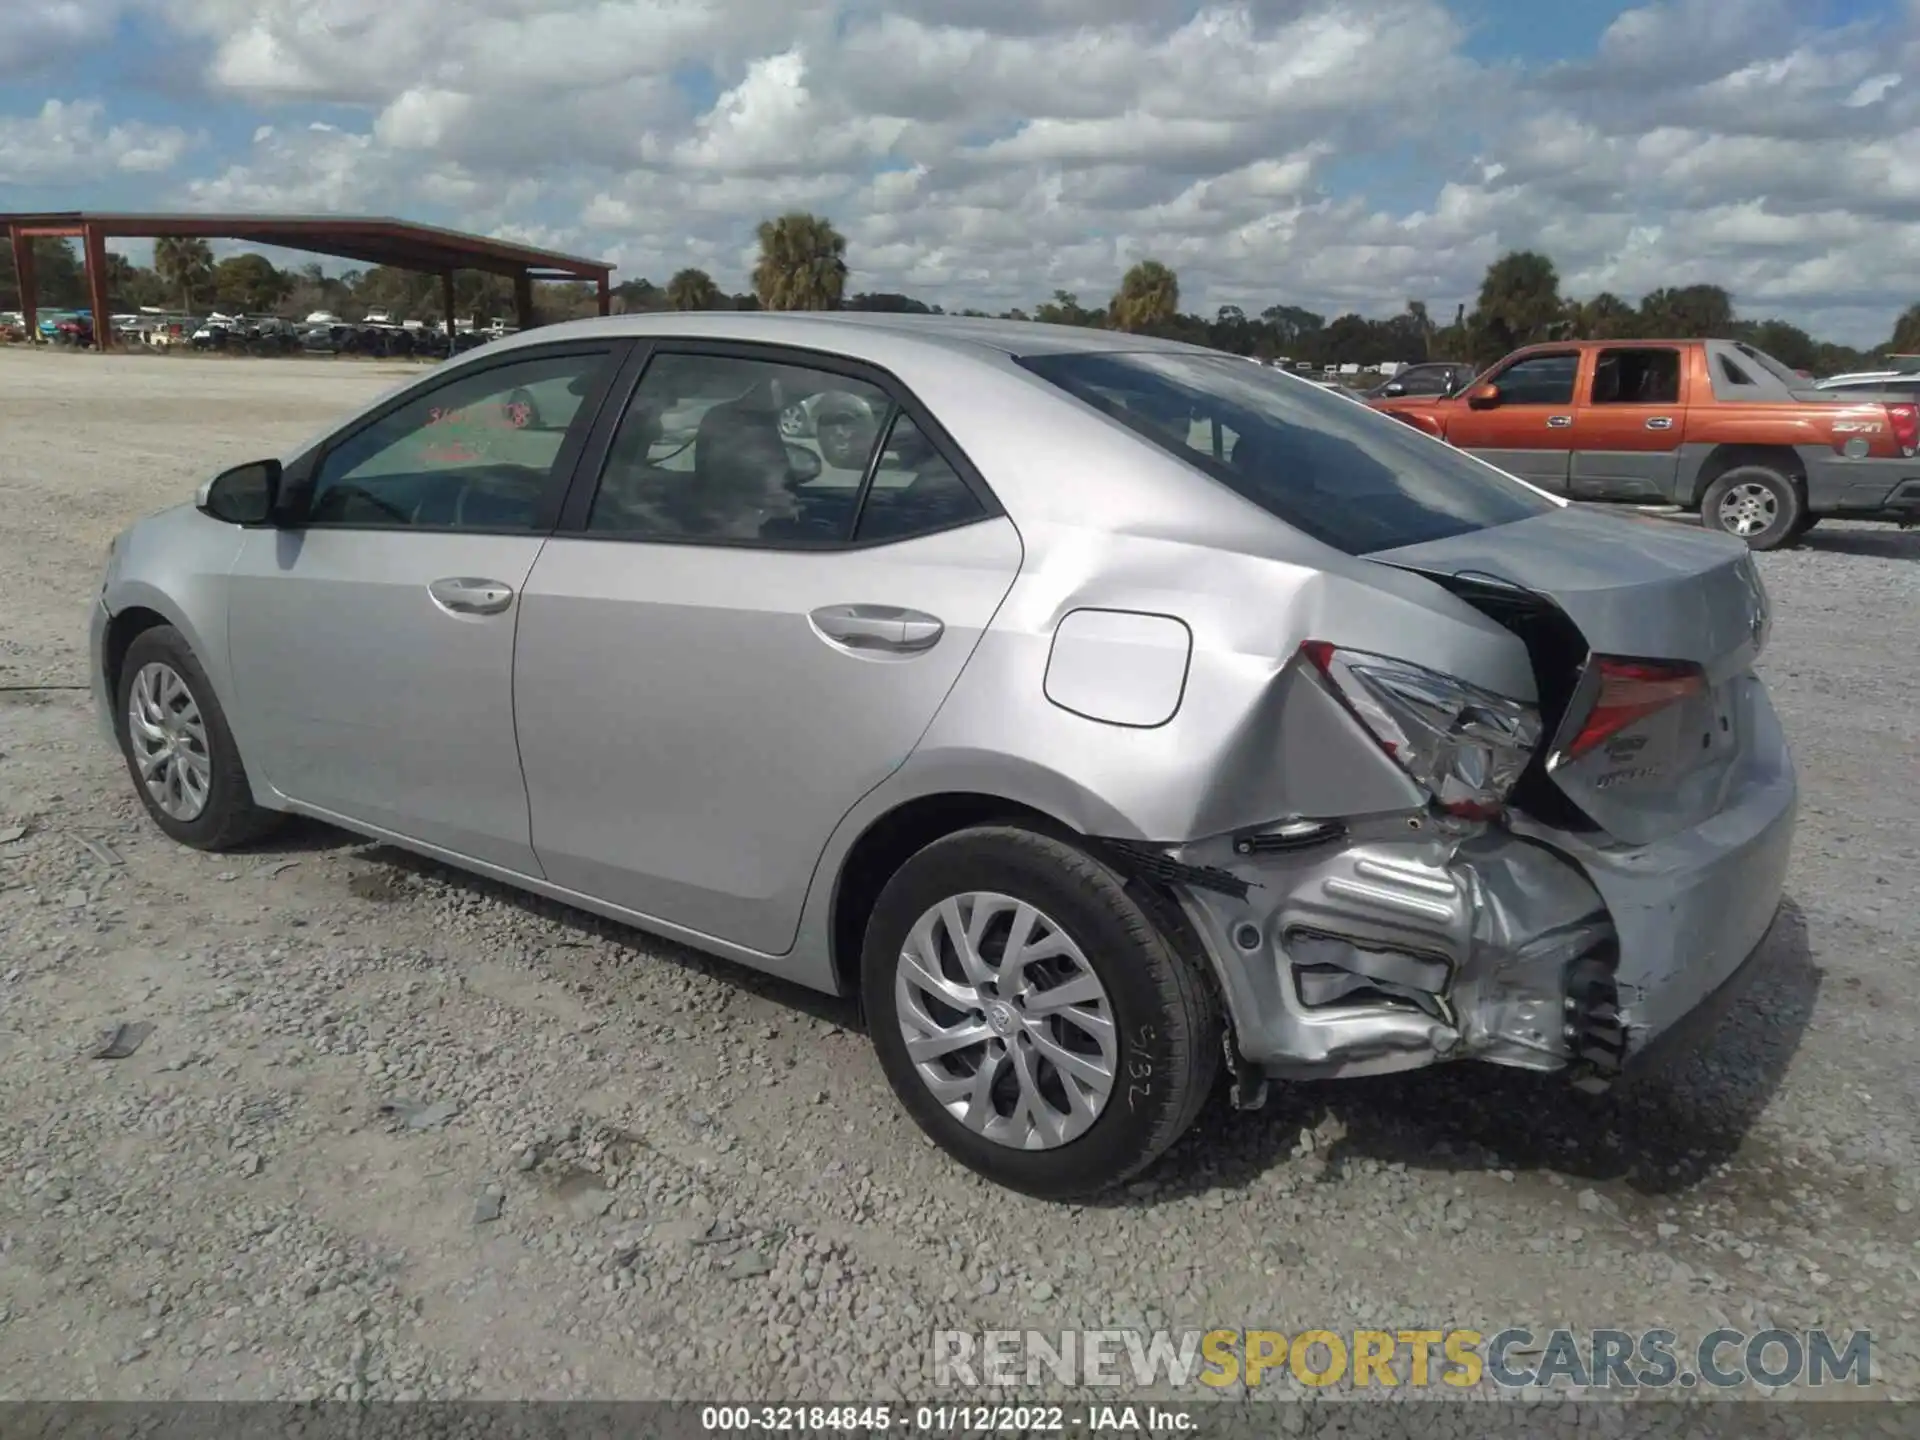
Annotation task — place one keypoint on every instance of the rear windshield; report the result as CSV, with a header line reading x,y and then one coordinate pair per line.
x,y
1327,465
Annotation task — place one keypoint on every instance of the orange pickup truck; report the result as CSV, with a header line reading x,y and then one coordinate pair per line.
x,y
1713,426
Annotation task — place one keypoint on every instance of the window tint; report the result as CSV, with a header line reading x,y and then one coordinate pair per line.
x,y
1340,472
1539,380
724,449
915,491
1428,382
1785,374
1636,377
475,453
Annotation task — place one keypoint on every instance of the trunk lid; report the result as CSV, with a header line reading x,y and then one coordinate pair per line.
x,y
1685,605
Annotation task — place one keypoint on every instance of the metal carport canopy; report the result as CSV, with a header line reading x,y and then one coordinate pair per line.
x,y
371,240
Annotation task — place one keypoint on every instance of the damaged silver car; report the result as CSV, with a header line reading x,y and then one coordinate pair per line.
x,y
1102,712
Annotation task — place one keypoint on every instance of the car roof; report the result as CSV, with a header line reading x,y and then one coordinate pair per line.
x,y
854,331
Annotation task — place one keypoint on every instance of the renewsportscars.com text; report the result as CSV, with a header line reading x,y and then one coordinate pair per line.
x,y
1511,1358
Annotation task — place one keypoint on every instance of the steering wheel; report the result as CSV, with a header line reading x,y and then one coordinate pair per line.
x,y
502,487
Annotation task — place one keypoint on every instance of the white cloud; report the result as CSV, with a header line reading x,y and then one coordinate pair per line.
x,y
40,33
1332,153
65,144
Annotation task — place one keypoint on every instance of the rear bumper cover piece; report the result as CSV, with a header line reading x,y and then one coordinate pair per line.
x,y
1404,942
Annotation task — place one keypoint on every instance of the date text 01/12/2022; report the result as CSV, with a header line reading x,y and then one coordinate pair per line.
x,y
941,1419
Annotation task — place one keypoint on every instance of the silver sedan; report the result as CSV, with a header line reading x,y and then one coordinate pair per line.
x,y
1100,711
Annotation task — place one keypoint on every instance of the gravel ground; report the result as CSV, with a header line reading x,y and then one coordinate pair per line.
x,y
399,1133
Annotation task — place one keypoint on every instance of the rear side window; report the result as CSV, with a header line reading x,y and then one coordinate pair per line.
x,y
1348,476
1636,376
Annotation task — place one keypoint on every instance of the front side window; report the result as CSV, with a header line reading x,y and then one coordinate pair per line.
x,y
1636,376
723,449
1539,380
1345,474
478,452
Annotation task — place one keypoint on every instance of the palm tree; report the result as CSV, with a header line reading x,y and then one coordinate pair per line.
x,y
802,264
1149,295
1519,301
185,262
693,290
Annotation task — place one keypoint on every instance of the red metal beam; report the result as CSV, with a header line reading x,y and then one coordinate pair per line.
x,y
94,244
320,234
29,289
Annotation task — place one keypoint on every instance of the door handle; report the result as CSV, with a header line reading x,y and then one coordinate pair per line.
x,y
464,595
885,629
1559,422
1660,422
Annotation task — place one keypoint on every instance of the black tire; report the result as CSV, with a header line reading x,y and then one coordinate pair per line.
x,y
1781,504
1165,1012
229,817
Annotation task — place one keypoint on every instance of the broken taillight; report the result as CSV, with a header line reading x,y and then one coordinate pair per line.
x,y
1631,690
1465,746
1905,420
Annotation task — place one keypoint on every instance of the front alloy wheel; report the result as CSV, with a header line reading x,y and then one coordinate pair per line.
x,y
168,742
178,747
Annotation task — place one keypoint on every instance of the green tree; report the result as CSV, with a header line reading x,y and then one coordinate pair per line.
x,y
693,289
802,263
1519,302
1149,296
1906,333
185,263
889,302
1688,312
58,281
249,284
1605,317
1065,309
1788,344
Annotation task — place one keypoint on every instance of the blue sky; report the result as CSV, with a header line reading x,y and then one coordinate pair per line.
x,y
1343,154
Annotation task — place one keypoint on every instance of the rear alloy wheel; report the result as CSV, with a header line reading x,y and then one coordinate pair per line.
x,y
178,748
1031,1014
1758,504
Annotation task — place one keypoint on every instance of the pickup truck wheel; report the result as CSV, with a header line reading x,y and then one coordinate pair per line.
x,y
1757,503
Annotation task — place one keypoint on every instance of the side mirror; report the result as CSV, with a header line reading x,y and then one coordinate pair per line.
x,y
1393,387
803,464
1483,397
244,495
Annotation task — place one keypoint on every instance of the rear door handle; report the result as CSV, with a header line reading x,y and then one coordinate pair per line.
x,y
1559,422
883,629
465,595
1660,422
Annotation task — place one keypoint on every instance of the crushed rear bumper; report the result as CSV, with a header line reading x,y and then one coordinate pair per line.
x,y
1399,942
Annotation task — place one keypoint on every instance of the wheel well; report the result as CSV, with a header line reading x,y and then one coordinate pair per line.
x,y
122,631
1723,458
892,840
